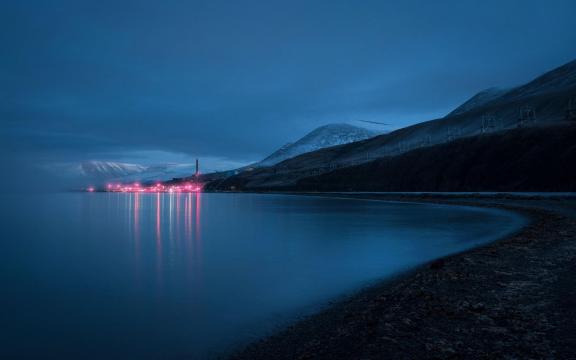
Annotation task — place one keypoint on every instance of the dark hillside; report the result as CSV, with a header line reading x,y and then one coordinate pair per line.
x,y
532,159
528,159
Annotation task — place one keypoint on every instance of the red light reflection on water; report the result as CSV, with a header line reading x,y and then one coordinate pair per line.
x,y
158,239
178,215
158,224
137,223
198,238
187,225
197,216
168,227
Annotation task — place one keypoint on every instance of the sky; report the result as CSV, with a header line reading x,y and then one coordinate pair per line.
x,y
148,81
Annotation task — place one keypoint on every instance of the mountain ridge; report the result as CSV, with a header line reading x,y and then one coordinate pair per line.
x,y
322,137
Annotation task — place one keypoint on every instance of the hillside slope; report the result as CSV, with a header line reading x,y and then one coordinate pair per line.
x,y
517,160
539,103
530,159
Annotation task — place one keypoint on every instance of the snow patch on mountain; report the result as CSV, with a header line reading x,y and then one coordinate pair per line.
x,y
102,171
322,137
109,169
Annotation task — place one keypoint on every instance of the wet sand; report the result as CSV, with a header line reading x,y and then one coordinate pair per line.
x,y
514,298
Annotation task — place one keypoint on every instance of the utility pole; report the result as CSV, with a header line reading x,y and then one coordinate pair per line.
x,y
571,110
527,116
488,121
451,136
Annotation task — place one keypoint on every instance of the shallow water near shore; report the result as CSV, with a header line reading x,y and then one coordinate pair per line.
x,y
110,275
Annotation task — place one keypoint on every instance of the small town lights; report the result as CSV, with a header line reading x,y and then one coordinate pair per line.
x,y
192,186
156,188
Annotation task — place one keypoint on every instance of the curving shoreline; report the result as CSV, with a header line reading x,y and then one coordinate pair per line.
x,y
513,298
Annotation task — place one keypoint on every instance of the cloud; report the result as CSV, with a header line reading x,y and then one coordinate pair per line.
x,y
232,81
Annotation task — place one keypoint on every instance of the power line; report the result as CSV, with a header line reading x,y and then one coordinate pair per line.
x,y
374,122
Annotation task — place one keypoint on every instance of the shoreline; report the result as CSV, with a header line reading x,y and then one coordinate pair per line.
x,y
511,298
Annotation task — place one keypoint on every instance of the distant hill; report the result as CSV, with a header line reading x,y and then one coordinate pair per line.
x,y
320,138
527,159
538,104
103,171
109,169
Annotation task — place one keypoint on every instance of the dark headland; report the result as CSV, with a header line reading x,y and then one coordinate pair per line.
x,y
523,139
512,299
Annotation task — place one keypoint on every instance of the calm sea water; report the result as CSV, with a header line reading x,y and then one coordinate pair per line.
x,y
165,276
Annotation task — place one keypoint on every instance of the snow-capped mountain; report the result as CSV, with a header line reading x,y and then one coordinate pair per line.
x,y
109,169
322,137
115,171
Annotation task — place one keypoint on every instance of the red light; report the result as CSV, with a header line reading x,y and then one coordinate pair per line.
x,y
157,188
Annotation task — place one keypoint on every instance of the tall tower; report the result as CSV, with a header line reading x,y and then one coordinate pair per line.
x,y
197,169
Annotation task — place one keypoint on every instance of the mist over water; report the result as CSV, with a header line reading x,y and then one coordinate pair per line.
x,y
112,275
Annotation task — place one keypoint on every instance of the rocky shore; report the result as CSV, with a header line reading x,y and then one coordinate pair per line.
x,y
512,299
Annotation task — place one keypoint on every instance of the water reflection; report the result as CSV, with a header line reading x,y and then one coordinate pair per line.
x,y
137,224
190,275
167,228
197,237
